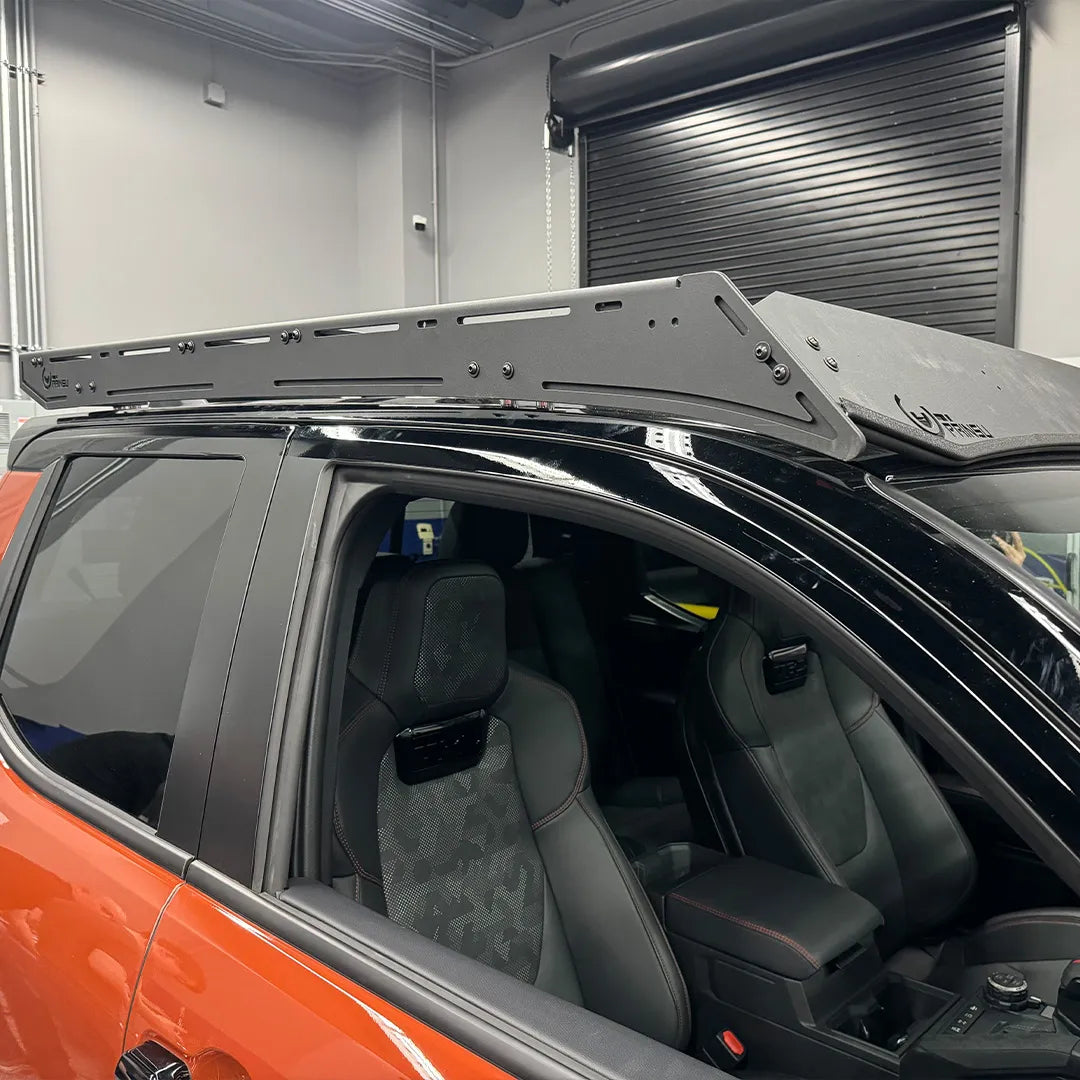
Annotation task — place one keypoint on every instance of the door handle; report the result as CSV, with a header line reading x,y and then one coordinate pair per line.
x,y
151,1061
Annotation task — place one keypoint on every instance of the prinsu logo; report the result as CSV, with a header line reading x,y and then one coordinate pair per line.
x,y
920,415
941,424
49,380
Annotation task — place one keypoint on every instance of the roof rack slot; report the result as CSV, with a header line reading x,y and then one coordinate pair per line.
x,y
374,328
609,305
389,381
730,315
147,350
514,316
160,389
219,343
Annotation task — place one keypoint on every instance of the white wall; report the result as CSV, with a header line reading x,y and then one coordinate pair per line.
x,y
1048,297
164,214
493,194
396,261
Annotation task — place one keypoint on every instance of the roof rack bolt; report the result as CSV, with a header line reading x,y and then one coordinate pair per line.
x,y
508,370
813,341
294,334
762,350
781,374
284,337
92,385
78,388
830,362
473,369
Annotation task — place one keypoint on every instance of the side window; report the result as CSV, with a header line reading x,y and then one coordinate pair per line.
x,y
98,653
419,532
679,582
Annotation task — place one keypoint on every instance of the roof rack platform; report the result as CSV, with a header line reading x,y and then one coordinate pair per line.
x,y
692,347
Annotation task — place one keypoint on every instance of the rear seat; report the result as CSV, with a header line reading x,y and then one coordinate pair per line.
x,y
548,631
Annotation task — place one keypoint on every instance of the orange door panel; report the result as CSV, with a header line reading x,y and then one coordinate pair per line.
x,y
77,911
235,1003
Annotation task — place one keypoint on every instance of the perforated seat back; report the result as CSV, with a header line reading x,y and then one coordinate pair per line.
x,y
463,806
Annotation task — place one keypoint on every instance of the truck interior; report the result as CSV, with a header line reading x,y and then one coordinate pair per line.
x,y
601,770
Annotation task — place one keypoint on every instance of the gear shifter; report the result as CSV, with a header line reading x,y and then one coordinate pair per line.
x,y
1068,1000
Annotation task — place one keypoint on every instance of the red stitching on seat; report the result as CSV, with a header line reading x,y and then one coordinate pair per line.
x,y
750,926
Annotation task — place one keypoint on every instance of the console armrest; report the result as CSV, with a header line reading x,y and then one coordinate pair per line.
x,y
788,923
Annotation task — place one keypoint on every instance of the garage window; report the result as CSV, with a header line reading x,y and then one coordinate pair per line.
x,y
885,182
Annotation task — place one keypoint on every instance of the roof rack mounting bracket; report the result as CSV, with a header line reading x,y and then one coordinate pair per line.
x,y
675,350
689,348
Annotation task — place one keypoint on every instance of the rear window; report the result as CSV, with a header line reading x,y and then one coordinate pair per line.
x,y
1030,517
98,655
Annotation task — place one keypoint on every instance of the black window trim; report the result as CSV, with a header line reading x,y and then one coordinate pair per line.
x,y
157,845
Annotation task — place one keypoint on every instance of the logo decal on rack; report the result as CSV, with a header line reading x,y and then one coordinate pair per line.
x,y
49,379
941,424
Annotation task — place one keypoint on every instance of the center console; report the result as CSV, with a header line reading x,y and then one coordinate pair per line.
x,y
782,969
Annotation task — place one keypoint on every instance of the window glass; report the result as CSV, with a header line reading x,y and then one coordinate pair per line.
x,y
1030,517
419,533
102,639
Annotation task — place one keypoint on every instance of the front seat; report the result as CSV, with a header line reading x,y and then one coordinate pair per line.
x,y
463,807
549,632
797,758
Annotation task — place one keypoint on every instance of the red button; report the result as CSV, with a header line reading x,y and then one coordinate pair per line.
x,y
733,1044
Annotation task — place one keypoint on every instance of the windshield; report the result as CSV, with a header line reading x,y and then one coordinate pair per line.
x,y
1030,517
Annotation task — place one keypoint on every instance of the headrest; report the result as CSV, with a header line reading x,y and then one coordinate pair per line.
x,y
432,640
499,538
773,625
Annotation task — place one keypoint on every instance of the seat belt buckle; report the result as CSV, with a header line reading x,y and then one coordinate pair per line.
x,y
725,1051
786,667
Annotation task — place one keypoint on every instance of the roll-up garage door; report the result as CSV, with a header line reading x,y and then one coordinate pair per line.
x,y
885,182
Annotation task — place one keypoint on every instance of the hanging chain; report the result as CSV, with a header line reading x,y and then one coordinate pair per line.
x,y
574,269
547,210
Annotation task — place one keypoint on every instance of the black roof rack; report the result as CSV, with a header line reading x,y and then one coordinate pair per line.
x,y
808,373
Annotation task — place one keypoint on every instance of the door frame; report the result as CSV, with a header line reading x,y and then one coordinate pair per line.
x,y
172,844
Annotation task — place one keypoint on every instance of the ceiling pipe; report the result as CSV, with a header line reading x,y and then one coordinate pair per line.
x,y
38,238
223,30
6,31
401,19
505,9
436,236
583,25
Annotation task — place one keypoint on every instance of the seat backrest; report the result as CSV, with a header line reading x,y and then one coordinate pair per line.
x,y
463,808
810,773
547,626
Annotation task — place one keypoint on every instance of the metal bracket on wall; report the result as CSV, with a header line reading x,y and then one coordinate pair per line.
x,y
558,135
